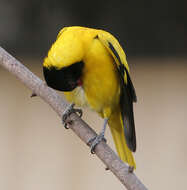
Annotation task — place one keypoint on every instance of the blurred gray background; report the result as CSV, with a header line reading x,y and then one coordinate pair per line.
x,y
37,152
144,28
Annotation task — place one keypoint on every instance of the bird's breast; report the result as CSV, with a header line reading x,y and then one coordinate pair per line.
x,y
77,96
100,78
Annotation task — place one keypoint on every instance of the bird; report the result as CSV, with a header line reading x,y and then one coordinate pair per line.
x,y
90,67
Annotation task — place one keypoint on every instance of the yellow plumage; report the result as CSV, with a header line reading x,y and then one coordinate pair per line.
x,y
101,86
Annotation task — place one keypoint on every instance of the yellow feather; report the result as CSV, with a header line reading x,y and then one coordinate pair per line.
x,y
117,130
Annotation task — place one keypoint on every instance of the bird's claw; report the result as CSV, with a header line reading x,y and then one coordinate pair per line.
x,y
70,109
95,141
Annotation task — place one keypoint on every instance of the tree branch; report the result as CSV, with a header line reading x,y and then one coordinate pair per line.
x,y
102,150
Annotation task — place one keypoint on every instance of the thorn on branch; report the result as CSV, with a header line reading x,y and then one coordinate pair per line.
x,y
131,169
33,95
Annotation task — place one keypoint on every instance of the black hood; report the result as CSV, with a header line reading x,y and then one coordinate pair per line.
x,y
65,79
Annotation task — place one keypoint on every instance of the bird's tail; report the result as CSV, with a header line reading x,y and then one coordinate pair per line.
x,y
116,126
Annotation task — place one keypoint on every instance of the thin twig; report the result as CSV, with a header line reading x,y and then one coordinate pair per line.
x,y
102,150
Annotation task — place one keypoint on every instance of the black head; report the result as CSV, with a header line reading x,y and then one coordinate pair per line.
x,y
65,79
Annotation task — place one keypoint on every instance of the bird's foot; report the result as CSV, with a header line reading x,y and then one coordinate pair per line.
x,y
69,110
95,141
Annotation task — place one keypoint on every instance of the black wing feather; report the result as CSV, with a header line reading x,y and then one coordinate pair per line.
x,y
126,103
127,97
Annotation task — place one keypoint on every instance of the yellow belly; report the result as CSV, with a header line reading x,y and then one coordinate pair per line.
x,y
100,90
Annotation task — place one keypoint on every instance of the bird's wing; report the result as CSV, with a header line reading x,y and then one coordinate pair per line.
x,y
128,95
